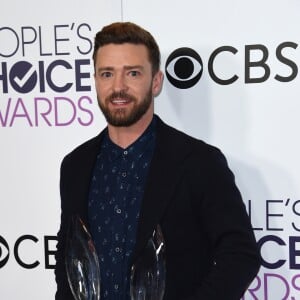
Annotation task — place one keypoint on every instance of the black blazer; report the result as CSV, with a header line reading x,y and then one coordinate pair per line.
x,y
211,251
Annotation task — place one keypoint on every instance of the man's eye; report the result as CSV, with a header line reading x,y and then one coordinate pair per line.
x,y
105,74
134,73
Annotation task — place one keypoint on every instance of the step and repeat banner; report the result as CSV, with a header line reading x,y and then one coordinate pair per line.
x,y
231,79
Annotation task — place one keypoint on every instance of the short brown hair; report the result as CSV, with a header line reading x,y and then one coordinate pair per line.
x,y
127,32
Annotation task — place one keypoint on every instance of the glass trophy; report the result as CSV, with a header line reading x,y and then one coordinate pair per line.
x,y
82,265
148,274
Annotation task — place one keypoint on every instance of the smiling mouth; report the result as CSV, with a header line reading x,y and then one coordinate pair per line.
x,y
120,101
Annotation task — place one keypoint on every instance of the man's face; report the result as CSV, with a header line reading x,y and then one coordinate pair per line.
x,y
124,83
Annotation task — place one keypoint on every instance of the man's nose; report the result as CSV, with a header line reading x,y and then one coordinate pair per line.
x,y
119,83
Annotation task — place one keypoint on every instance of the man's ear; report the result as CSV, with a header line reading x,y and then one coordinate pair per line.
x,y
157,83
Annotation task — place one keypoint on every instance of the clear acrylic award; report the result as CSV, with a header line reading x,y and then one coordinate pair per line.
x,y
82,264
148,274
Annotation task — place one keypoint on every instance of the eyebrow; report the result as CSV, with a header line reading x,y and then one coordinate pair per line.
x,y
109,68
134,67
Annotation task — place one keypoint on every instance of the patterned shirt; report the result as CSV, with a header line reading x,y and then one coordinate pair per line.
x,y
115,197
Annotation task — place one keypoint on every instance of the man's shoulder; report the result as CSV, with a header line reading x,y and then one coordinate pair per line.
x,y
180,140
195,154
87,148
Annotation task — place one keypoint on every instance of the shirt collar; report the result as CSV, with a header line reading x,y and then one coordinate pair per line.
x,y
112,151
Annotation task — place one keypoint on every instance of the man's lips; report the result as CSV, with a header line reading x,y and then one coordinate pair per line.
x,y
120,101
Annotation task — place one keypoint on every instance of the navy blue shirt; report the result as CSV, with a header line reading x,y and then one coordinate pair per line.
x,y
115,197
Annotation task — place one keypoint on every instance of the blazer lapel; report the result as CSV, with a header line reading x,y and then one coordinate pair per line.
x,y
86,163
162,179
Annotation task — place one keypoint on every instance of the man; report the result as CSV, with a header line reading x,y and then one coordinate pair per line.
x,y
139,172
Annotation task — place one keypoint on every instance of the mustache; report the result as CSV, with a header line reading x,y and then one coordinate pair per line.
x,y
121,94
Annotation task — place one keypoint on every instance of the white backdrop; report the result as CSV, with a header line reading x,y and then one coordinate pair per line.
x,y
45,112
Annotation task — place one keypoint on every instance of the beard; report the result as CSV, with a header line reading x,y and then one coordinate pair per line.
x,y
123,117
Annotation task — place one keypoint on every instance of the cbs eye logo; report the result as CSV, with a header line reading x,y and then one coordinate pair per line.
x,y
4,252
184,68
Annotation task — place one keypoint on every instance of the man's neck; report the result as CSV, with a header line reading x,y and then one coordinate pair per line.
x,y
125,136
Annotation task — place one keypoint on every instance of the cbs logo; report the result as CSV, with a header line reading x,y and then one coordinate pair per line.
x,y
49,250
184,66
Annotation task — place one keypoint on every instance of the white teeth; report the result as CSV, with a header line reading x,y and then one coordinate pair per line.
x,y
119,101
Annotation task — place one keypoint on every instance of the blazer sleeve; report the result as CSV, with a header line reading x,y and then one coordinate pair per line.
x,y
63,290
236,258
75,175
